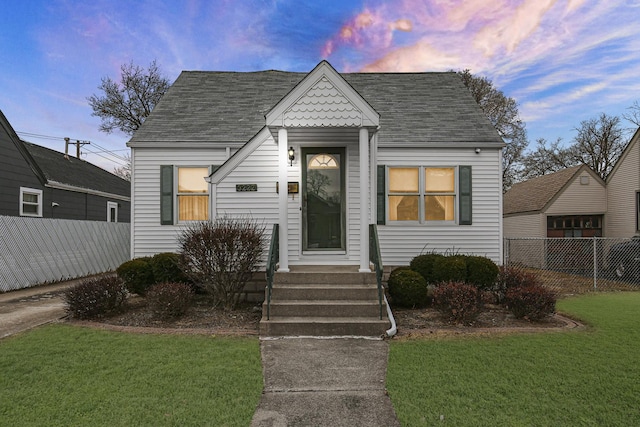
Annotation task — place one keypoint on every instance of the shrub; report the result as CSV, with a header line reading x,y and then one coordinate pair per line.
x,y
166,268
408,288
513,277
137,275
481,272
169,300
96,298
530,302
459,301
424,264
450,269
222,256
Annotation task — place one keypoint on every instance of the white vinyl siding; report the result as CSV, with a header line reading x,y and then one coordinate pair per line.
x,y
622,185
399,243
148,235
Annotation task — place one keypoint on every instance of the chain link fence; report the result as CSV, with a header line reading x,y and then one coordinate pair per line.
x,y
41,250
578,265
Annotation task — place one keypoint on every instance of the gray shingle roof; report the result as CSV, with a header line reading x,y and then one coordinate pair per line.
x,y
533,195
229,107
76,172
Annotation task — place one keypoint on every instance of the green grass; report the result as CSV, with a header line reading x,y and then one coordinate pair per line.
x,y
575,378
62,375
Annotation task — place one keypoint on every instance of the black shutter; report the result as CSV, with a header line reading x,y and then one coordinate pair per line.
x,y
166,195
464,180
381,199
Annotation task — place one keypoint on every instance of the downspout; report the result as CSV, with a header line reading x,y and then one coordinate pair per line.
x,y
393,330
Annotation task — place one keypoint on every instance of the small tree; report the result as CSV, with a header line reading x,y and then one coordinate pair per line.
x,y
221,256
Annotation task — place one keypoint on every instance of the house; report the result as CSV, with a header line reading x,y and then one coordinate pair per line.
x,y
323,155
39,182
568,203
623,193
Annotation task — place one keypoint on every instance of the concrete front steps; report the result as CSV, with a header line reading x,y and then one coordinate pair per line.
x,y
325,301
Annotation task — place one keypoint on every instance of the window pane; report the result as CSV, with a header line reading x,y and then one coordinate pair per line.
x,y
439,208
193,208
403,208
30,209
403,180
191,180
30,198
439,180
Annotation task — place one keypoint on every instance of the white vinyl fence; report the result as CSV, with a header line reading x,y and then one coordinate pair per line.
x,y
576,265
40,250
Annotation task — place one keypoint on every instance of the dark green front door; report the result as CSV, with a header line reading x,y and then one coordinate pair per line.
x,y
323,199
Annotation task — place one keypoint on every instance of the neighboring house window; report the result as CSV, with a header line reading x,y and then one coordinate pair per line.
x,y
112,212
184,194
422,194
574,226
30,202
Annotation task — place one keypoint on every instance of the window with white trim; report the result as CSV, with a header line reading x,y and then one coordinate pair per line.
x,y
192,195
30,202
421,194
112,211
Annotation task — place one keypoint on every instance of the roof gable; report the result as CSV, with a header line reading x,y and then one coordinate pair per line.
x,y
536,194
323,99
630,146
20,147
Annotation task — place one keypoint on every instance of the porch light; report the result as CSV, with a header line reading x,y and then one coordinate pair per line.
x,y
292,155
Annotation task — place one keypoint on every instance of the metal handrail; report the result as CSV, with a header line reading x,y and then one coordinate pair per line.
x,y
376,259
272,262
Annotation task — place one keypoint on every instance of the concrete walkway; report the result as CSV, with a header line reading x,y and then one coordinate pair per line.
x,y
324,382
24,309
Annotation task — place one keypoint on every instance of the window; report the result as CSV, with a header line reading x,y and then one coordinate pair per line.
x,y
421,194
184,193
112,212
30,202
192,194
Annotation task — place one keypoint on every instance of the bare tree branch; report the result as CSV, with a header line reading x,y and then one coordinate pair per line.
x,y
124,106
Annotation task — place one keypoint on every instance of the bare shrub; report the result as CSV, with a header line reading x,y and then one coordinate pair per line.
x,y
220,257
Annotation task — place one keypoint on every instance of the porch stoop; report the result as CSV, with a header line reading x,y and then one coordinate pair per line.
x,y
324,303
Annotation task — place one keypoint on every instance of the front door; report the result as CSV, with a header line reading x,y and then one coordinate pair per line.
x,y
323,199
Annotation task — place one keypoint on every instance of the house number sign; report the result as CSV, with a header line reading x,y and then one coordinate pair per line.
x,y
246,187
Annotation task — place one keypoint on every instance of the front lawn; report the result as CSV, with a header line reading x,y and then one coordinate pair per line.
x,y
588,377
62,375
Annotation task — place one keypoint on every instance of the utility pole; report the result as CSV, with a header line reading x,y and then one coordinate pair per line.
x,y
78,144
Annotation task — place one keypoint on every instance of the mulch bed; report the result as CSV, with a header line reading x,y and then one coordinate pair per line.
x,y
202,318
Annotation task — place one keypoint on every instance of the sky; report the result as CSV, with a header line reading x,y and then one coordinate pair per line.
x,y
563,61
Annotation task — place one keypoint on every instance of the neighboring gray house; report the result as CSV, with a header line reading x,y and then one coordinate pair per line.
x,y
411,152
39,182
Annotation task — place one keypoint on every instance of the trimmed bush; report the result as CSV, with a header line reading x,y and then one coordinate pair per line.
x,y
137,275
513,277
169,300
459,301
221,256
481,272
407,288
96,298
530,302
450,269
166,268
424,264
